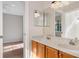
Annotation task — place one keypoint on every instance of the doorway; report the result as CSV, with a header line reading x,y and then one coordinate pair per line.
x,y
13,29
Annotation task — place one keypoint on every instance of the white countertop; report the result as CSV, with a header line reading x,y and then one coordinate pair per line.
x,y
60,44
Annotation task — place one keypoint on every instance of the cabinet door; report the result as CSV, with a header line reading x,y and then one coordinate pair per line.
x,y
41,51
34,49
51,53
65,55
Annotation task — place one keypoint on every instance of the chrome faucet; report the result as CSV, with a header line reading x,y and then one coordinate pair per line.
x,y
73,41
49,37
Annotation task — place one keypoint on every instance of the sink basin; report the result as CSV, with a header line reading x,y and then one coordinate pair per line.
x,y
70,47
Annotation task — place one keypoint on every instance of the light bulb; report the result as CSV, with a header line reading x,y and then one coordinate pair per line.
x,y
36,14
58,4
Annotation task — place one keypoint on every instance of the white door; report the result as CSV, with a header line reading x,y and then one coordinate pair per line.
x,y
26,31
1,31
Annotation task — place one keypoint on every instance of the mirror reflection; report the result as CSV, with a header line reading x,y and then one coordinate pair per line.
x,y
69,24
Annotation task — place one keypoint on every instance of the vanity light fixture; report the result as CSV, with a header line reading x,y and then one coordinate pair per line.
x,y
58,4
36,14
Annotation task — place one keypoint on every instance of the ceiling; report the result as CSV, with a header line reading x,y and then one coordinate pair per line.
x,y
13,7
17,7
74,5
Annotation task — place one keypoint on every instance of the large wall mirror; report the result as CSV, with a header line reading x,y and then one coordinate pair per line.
x,y
41,18
70,21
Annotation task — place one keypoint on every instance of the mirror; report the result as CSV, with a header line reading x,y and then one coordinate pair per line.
x,y
47,25
38,19
42,20
70,21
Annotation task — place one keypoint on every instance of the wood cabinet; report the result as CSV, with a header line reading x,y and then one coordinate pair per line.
x,y
65,55
42,51
34,49
38,50
51,52
60,54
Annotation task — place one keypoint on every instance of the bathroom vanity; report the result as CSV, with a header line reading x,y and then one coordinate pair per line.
x,y
43,49
56,45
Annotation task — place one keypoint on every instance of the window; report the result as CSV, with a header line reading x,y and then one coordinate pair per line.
x,y
58,24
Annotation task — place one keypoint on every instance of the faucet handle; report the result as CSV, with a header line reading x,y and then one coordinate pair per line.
x,y
76,39
48,38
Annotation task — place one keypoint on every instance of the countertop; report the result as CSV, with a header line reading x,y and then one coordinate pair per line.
x,y
61,44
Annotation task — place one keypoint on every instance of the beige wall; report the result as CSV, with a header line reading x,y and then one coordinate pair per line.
x,y
34,30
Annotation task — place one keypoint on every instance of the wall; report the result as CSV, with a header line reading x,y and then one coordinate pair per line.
x,y
72,24
1,31
12,28
35,30
1,21
41,6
